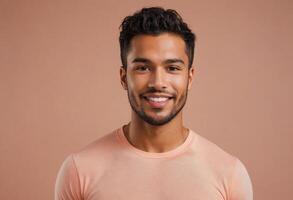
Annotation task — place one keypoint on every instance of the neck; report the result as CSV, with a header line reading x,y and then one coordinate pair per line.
x,y
156,139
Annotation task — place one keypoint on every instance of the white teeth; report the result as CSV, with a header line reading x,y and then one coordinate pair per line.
x,y
157,99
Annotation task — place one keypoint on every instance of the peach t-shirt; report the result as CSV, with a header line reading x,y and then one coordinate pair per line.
x,y
110,168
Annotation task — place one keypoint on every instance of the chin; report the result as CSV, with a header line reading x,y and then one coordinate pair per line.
x,y
157,120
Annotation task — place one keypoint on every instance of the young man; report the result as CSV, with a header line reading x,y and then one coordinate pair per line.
x,y
154,157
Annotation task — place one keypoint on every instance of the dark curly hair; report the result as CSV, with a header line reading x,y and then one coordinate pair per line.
x,y
154,21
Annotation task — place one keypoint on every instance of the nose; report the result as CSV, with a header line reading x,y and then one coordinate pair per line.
x,y
158,79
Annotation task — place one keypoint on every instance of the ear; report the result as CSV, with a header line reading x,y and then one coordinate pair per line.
x,y
123,78
191,73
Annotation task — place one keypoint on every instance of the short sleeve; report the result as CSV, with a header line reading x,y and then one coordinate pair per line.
x,y
240,183
67,186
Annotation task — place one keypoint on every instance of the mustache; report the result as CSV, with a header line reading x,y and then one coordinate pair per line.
x,y
154,90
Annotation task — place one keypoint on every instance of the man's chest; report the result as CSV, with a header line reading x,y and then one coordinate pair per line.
x,y
156,182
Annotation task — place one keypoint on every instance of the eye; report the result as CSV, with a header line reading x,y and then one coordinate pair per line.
x,y
173,68
142,68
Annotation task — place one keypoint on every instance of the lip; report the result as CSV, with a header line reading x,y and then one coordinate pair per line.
x,y
157,95
157,104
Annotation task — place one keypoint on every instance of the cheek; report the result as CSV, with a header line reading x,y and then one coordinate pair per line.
x,y
137,83
180,84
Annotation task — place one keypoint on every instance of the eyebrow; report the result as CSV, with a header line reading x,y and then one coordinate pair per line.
x,y
141,60
168,61
174,60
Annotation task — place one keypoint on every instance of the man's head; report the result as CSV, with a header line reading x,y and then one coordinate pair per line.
x,y
154,21
157,54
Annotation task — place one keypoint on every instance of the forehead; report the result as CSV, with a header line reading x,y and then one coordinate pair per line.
x,y
157,47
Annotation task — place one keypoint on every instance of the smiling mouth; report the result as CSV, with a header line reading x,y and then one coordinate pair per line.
x,y
157,102
157,99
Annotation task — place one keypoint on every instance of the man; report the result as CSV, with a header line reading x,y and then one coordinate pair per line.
x,y
154,157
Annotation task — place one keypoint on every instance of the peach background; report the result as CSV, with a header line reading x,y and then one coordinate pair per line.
x,y
60,89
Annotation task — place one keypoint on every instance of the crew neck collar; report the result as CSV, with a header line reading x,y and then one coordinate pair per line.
x,y
178,150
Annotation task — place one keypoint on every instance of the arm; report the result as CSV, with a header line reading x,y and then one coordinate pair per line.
x,y
240,183
67,186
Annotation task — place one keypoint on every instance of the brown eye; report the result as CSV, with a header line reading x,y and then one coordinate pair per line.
x,y
173,68
142,68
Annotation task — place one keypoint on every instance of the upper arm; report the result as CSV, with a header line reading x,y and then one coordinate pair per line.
x,y
240,183
67,186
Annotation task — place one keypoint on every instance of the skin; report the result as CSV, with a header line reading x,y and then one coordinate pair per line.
x,y
156,65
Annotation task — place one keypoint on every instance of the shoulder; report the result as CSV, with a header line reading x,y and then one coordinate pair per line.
x,y
102,143
227,168
99,150
212,151
213,157
86,164
67,185
240,185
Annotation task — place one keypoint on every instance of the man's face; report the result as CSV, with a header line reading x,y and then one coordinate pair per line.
x,y
157,78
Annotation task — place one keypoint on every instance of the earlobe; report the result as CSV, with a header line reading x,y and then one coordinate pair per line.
x,y
190,76
123,78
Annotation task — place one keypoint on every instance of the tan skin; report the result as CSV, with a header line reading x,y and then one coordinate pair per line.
x,y
161,63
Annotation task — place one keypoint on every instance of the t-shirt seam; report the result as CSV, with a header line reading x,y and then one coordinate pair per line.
x,y
155,157
231,179
77,173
